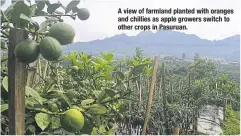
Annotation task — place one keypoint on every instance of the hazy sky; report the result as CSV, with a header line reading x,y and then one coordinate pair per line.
x,y
103,17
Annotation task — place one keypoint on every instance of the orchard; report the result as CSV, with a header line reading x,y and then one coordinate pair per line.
x,y
45,91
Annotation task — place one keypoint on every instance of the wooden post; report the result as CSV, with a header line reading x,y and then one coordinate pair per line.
x,y
151,92
164,97
176,131
17,77
189,89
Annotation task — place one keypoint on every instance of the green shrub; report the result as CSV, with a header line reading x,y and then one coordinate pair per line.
x,y
231,126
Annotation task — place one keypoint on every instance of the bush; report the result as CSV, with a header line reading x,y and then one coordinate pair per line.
x,y
231,125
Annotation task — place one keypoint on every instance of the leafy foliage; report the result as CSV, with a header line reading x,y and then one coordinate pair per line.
x,y
107,91
231,125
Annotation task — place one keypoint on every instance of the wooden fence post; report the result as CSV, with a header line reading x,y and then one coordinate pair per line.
x,y
164,98
151,92
17,77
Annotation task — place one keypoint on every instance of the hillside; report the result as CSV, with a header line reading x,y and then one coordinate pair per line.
x,y
164,43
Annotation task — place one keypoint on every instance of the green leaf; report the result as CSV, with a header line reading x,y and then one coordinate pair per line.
x,y
25,19
96,119
33,10
148,70
8,12
137,69
102,130
87,101
52,7
110,132
40,13
135,62
30,120
42,120
30,102
96,93
119,74
75,9
55,123
71,5
32,129
101,96
5,83
31,92
4,58
110,92
97,109
4,107
108,75
85,57
108,57
73,56
100,61
121,83
18,8
40,5
47,2
62,95
46,23
94,131
78,108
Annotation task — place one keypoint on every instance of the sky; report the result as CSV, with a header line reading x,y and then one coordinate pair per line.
x,y
103,23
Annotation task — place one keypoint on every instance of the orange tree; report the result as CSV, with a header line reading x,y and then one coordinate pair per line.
x,y
67,94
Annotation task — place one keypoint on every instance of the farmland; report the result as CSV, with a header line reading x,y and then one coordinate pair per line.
x,y
47,92
126,84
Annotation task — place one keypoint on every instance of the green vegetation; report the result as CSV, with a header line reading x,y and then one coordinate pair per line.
x,y
231,125
232,70
79,94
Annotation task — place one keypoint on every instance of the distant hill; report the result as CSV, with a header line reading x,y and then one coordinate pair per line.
x,y
163,43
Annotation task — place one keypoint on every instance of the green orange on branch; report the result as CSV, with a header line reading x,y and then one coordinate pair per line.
x,y
83,14
63,32
110,125
27,51
50,48
72,120
53,107
75,68
120,117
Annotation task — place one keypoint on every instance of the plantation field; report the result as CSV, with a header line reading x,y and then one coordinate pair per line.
x,y
233,71
47,92
122,88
